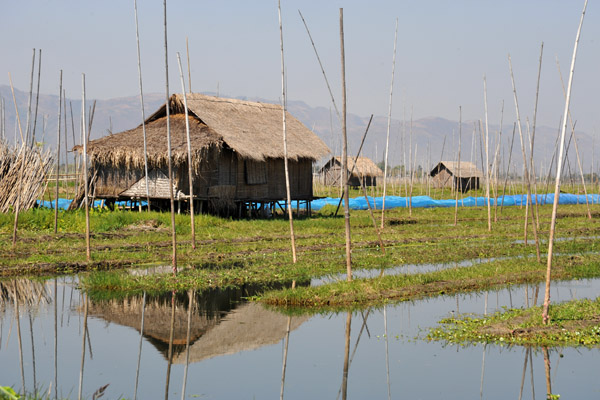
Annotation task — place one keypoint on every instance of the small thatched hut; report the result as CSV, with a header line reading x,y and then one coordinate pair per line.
x,y
364,169
464,176
237,155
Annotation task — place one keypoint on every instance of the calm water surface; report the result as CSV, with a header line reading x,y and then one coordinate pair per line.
x,y
237,349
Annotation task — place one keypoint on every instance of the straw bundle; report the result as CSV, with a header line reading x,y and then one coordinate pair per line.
x,y
34,164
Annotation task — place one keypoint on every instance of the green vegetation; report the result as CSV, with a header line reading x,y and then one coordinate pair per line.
x,y
574,323
239,252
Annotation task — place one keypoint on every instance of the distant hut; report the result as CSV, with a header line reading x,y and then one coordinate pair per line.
x,y
465,176
364,169
237,155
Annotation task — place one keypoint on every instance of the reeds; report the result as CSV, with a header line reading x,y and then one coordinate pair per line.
x,y
35,165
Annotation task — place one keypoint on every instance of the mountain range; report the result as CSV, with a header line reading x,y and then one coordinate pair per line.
x,y
433,138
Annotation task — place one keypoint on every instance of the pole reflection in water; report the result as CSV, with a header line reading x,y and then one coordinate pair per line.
x,y
137,371
547,370
191,295
85,315
346,357
32,350
56,339
18,317
285,353
170,351
387,353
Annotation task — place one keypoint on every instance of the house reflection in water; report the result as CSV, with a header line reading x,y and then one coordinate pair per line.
x,y
221,322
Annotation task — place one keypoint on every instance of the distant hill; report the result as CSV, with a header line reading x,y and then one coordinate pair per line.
x,y
434,138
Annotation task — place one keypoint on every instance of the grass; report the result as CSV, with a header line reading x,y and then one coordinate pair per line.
x,y
573,323
234,253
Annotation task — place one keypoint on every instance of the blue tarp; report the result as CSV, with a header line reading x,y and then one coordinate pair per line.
x,y
63,204
359,203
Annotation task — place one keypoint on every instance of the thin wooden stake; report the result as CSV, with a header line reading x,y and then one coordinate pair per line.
x,y
345,155
387,140
587,203
487,165
459,182
137,36
169,151
27,124
60,100
321,65
37,98
187,48
285,152
532,169
525,168
189,149
85,173
545,316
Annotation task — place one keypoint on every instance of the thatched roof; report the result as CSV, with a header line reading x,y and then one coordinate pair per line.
x,y
127,148
213,332
248,327
364,166
251,129
465,169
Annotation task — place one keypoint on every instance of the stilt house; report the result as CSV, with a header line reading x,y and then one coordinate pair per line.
x,y
237,156
464,176
364,169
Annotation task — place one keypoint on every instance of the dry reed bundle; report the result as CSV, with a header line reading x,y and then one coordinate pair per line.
x,y
35,164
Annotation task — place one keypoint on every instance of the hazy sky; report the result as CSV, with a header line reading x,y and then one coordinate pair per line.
x,y
444,49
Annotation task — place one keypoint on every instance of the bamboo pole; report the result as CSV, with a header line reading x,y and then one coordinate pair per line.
x,y
587,203
169,151
389,121
189,149
27,124
37,98
285,152
525,168
76,157
137,36
321,65
345,155
496,163
512,141
487,165
18,205
532,169
459,185
60,100
66,141
2,120
85,173
410,164
545,316
187,48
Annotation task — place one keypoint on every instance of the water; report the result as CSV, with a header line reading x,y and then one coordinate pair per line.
x,y
237,349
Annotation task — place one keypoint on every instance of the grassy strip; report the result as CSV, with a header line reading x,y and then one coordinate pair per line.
x,y
366,292
574,323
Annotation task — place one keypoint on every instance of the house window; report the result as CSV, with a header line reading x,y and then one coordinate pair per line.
x,y
255,172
